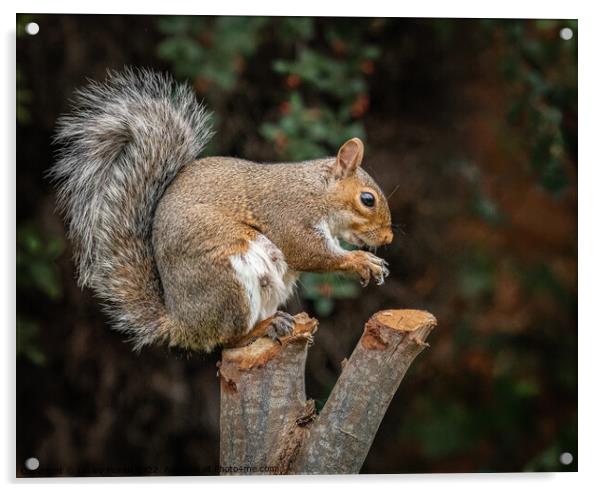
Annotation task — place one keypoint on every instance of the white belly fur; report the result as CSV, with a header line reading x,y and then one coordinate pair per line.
x,y
265,277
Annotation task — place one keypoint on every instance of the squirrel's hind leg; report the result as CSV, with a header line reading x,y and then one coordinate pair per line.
x,y
218,287
266,281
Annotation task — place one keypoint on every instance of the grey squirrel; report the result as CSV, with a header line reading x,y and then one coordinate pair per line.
x,y
194,253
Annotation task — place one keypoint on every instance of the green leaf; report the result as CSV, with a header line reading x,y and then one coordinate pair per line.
x,y
45,278
324,307
27,343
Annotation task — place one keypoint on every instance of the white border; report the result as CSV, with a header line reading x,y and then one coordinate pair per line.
x,y
424,8
590,243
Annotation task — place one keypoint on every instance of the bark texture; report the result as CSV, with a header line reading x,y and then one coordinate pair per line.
x,y
268,426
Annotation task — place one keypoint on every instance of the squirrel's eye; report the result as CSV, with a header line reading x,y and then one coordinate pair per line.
x,y
367,199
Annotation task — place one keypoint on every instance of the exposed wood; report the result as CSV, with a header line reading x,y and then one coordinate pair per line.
x,y
268,427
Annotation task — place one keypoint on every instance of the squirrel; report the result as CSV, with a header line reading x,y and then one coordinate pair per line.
x,y
195,252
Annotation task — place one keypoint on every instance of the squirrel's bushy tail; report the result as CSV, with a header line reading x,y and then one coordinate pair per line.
x,y
121,146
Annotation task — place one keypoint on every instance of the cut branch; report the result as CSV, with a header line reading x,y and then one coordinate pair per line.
x,y
341,438
268,427
262,396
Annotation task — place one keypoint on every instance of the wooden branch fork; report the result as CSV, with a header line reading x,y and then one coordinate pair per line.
x,y
268,426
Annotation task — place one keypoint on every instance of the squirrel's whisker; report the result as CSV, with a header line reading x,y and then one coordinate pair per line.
x,y
393,192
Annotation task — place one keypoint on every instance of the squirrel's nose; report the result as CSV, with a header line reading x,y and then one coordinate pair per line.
x,y
388,237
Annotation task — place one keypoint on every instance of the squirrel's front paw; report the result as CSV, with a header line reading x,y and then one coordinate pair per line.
x,y
281,325
368,266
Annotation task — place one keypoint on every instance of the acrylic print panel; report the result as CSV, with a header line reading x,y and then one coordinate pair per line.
x,y
470,129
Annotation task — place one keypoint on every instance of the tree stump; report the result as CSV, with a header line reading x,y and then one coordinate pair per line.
x,y
267,425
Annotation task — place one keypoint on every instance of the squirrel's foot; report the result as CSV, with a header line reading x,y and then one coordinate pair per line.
x,y
281,325
369,266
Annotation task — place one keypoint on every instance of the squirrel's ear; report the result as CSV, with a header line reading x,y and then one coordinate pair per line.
x,y
349,158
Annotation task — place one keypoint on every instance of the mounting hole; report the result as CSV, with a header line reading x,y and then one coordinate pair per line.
x,y
32,463
32,28
566,458
566,33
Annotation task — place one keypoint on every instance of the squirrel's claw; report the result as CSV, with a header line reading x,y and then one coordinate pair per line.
x,y
281,325
373,267
385,272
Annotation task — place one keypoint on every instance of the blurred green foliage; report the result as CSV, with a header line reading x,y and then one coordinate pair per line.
x,y
28,346
36,257
306,131
544,84
212,49
323,289
24,99
37,272
444,428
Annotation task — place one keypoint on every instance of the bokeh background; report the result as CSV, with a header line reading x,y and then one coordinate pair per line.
x,y
470,127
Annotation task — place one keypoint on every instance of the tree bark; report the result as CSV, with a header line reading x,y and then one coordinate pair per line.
x,y
268,427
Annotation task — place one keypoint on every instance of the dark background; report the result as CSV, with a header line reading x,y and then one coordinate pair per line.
x,y
470,125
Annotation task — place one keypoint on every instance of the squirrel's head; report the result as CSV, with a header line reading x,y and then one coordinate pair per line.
x,y
361,215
